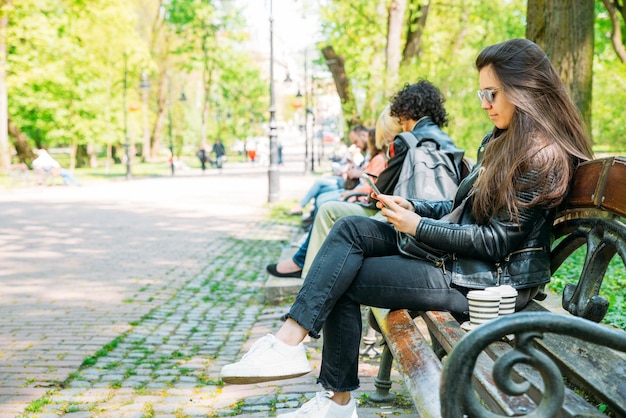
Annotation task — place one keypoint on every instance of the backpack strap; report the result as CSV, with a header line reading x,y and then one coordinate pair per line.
x,y
413,140
409,138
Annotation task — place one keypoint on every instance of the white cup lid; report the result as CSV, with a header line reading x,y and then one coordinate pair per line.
x,y
483,295
504,290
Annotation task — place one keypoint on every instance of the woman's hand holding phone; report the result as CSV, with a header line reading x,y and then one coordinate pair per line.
x,y
398,212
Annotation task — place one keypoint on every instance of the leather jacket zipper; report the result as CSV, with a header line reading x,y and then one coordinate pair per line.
x,y
523,250
508,257
499,271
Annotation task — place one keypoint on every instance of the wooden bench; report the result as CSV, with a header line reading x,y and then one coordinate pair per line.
x,y
532,363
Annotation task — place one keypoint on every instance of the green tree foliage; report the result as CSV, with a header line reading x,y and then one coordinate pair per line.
x,y
66,70
357,32
609,89
75,68
454,33
208,49
67,61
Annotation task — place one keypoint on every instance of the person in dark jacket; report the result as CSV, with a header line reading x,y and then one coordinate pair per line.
x,y
508,202
220,152
202,156
421,108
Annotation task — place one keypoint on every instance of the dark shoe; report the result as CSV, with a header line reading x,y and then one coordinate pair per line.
x,y
271,269
293,212
306,222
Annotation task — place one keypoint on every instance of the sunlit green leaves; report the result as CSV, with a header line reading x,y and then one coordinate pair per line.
x,y
66,66
454,34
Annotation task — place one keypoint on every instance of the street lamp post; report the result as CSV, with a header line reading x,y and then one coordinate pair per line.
x,y
306,118
272,174
145,88
169,116
312,140
126,139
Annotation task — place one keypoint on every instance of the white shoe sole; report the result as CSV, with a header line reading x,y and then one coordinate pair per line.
x,y
242,380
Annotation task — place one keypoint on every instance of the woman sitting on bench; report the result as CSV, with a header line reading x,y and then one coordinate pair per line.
x,y
502,236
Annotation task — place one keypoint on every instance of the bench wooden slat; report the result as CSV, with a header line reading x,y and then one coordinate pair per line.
x,y
588,365
418,363
448,332
613,196
574,405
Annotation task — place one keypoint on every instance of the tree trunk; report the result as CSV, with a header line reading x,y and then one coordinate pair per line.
x,y
82,156
160,51
145,117
160,114
336,67
417,22
207,84
564,29
24,152
5,152
613,7
395,24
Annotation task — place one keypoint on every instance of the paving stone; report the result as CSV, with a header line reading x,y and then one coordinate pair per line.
x,y
192,299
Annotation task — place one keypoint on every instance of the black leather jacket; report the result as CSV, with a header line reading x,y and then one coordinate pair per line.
x,y
497,253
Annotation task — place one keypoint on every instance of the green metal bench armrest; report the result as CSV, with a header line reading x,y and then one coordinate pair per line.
x,y
526,326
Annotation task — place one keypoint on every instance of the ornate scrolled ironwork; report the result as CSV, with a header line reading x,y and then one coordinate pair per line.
x,y
604,234
456,394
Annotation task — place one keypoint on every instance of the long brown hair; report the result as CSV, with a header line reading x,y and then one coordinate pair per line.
x,y
546,135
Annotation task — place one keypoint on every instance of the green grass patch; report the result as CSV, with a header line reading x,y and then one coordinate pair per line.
x,y
38,404
90,361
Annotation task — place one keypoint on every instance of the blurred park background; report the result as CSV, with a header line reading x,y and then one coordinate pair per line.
x,y
118,85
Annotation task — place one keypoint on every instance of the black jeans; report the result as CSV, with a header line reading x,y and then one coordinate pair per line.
x,y
359,264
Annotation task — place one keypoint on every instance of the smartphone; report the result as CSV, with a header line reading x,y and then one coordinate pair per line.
x,y
369,180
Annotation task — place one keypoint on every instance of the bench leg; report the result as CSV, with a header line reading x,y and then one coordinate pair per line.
x,y
383,379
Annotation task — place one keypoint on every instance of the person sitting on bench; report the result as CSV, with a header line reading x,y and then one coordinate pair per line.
x,y
503,234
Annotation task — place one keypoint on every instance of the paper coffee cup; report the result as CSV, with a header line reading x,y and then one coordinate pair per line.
x,y
483,306
508,295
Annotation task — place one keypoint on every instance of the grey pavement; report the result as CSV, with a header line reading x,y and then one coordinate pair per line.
x,y
125,298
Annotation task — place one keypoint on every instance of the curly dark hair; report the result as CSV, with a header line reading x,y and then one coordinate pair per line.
x,y
417,100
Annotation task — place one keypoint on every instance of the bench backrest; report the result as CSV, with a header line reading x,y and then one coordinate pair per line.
x,y
592,215
557,345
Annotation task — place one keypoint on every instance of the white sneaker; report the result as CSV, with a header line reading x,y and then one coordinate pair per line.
x,y
268,359
323,407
